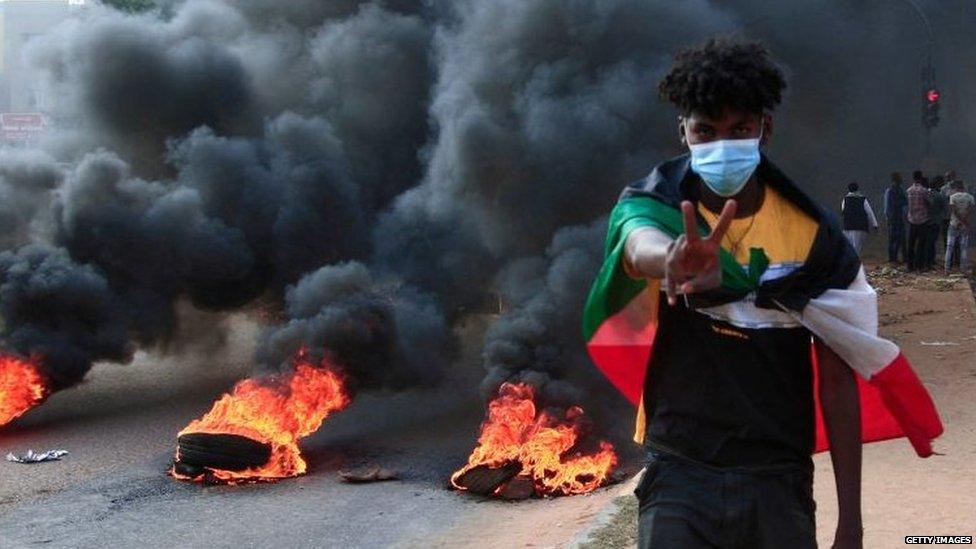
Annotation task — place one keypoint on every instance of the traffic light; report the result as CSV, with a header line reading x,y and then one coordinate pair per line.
x,y
930,107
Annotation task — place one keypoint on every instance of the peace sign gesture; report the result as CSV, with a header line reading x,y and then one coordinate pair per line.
x,y
692,263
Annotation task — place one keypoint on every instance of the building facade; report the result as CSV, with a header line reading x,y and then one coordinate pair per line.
x,y
20,22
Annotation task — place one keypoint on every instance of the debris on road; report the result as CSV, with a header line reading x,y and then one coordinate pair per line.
x,y
938,343
887,277
33,457
369,473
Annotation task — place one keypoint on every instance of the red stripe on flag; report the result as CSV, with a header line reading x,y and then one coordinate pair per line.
x,y
907,399
894,404
624,365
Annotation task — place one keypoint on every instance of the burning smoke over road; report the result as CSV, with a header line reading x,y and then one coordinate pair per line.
x,y
375,170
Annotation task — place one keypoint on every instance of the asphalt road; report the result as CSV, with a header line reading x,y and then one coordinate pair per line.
x,y
120,427
135,504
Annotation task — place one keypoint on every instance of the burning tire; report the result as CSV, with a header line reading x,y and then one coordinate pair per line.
x,y
484,480
222,451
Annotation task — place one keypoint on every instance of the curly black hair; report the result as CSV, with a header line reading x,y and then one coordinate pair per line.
x,y
723,73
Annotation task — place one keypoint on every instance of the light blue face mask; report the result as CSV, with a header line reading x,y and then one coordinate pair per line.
x,y
726,165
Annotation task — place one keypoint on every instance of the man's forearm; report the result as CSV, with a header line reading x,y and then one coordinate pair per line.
x,y
646,250
842,417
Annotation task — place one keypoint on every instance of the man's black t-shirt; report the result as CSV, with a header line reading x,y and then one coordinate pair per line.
x,y
729,396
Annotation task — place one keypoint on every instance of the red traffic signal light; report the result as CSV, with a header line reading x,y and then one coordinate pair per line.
x,y
932,96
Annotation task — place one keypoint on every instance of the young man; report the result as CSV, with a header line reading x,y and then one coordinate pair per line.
x,y
938,216
918,218
895,207
858,217
961,212
720,274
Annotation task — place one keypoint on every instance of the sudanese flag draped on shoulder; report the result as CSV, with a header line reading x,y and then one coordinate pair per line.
x,y
828,294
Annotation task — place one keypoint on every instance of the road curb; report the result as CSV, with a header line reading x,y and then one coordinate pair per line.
x,y
606,514
971,281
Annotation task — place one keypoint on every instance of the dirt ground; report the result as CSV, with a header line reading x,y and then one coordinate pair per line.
x,y
933,322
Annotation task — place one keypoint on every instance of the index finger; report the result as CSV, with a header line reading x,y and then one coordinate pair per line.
x,y
724,220
691,224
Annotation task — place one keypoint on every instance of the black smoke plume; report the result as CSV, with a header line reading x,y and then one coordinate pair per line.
x,y
383,334
543,111
27,180
62,312
206,155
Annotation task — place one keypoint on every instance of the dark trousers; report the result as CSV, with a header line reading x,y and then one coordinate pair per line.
x,y
686,505
931,238
916,246
896,241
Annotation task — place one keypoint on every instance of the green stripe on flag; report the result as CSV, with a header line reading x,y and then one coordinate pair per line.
x,y
613,289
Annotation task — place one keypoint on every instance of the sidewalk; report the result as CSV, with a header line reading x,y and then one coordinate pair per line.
x,y
902,494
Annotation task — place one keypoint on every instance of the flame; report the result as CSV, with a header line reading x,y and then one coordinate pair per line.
x,y
277,410
516,431
21,388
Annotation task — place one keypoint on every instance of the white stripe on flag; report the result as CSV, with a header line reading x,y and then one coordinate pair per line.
x,y
847,321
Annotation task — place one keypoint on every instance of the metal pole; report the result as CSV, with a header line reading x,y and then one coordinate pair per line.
x,y
928,70
925,21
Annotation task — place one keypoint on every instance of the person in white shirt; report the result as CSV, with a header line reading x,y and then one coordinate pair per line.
x,y
961,205
858,217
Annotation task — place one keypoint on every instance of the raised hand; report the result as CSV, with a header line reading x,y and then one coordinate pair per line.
x,y
692,263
